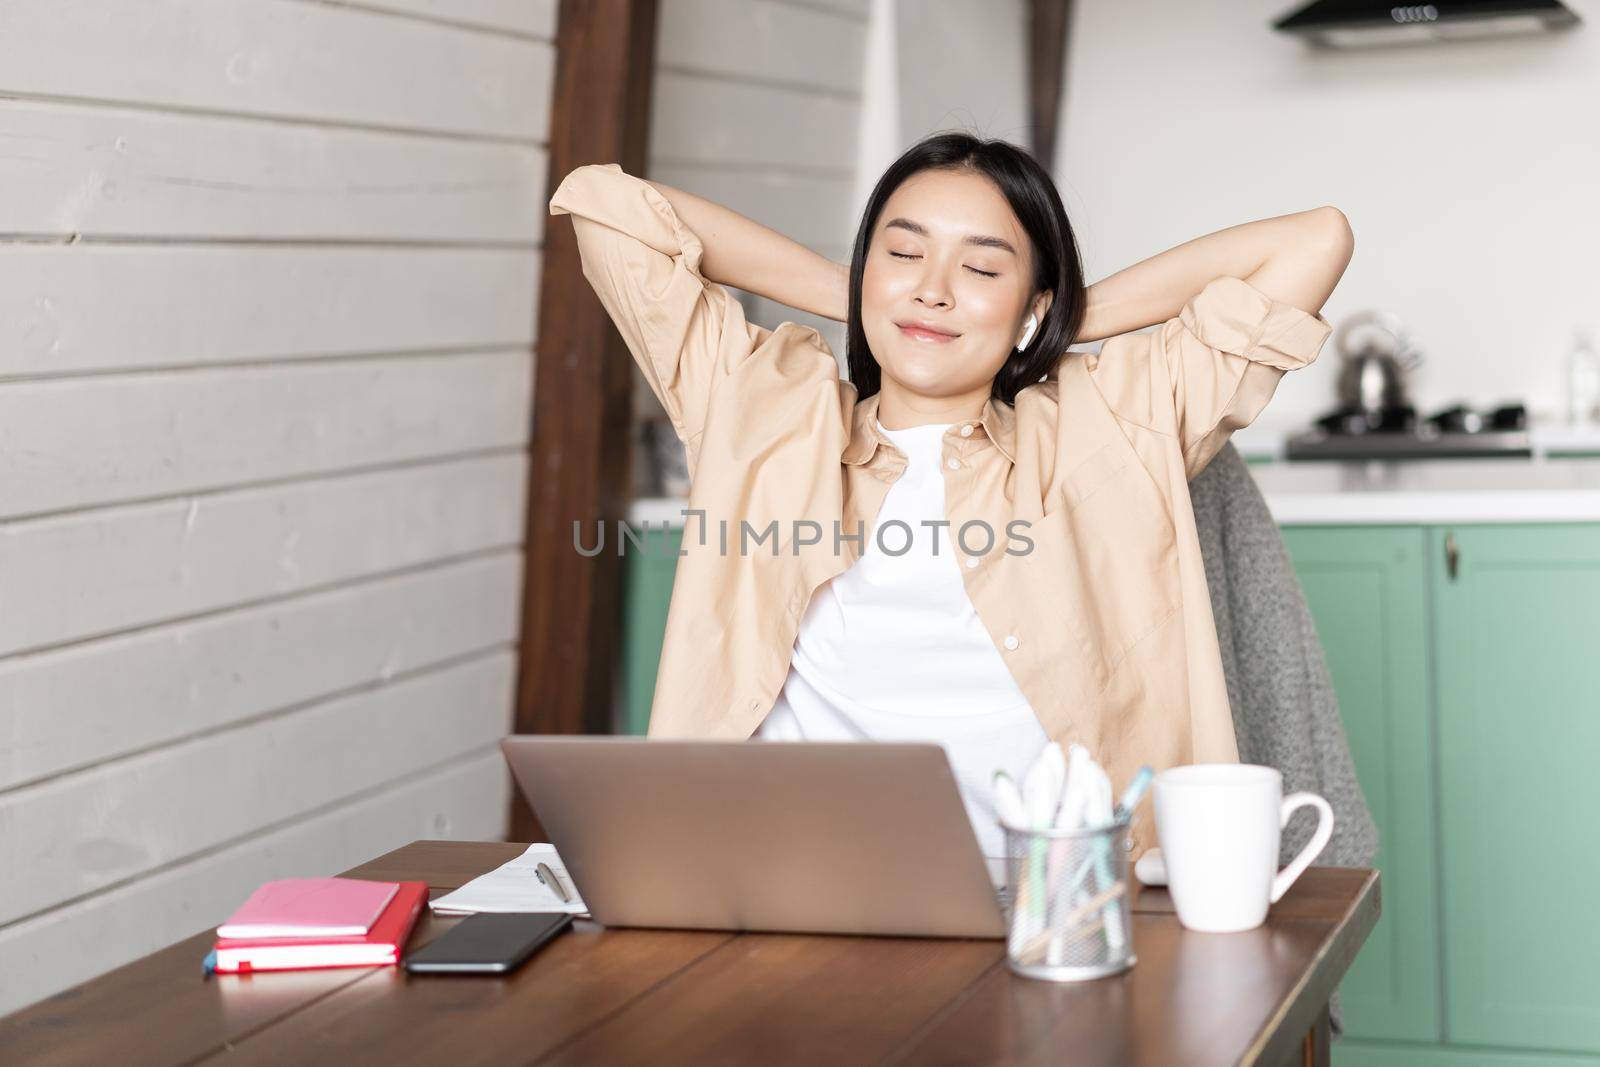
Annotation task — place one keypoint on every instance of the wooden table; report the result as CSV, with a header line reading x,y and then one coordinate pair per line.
x,y
669,996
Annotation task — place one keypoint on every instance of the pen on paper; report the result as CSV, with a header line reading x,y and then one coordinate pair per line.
x,y
548,877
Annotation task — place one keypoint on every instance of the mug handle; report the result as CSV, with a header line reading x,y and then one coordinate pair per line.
x,y
1319,840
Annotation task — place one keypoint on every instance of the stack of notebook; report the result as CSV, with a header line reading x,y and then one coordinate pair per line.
x,y
298,923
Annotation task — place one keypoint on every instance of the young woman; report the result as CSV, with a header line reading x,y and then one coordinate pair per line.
x,y
981,538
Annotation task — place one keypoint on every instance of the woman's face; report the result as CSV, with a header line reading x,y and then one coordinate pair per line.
x,y
947,253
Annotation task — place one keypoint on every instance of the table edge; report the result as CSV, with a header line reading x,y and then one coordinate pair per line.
x,y
1279,1035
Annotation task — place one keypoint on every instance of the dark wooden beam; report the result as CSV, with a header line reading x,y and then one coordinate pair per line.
x,y
582,415
1047,53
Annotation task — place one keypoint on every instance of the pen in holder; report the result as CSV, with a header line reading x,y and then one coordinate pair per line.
x,y
1070,916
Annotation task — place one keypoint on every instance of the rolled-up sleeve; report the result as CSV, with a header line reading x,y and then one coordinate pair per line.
x,y
1210,369
686,333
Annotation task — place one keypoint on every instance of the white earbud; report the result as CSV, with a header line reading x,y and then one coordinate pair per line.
x,y
1027,333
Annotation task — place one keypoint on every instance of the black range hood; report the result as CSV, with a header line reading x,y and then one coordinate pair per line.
x,y
1358,23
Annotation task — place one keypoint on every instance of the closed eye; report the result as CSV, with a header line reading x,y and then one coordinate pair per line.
x,y
975,270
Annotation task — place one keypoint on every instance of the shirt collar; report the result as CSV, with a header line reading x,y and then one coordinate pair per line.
x,y
999,422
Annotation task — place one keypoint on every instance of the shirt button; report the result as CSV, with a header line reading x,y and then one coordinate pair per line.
x,y
953,464
966,431
972,562
1011,642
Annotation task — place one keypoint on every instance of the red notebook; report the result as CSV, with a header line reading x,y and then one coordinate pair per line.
x,y
310,907
379,946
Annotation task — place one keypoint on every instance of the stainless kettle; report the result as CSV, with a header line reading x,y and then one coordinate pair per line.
x,y
1377,360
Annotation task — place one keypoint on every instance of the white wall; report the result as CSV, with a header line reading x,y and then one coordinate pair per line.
x,y
962,65
1468,170
267,284
956,65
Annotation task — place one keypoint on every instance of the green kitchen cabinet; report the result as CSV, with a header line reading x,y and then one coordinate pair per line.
x,y
1483,794
647,574
1517,654
1367,588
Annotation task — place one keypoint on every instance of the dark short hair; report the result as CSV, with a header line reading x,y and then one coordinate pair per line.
x,y
1057,266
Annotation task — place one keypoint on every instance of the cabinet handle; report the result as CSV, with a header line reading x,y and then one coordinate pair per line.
x,y
1452,556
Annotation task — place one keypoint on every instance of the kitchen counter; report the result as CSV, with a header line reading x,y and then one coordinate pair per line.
x,y
1381,493
1431,491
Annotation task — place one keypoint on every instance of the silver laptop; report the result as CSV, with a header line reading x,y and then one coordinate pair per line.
x,y
814,837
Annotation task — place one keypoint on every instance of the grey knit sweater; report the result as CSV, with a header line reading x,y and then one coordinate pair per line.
x,y
1285,714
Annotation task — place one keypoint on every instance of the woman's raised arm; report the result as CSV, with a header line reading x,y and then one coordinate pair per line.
x,y
646,261
741,252
1296,259
1236,310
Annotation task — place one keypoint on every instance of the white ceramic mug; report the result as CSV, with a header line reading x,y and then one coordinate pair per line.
x,y
1219,825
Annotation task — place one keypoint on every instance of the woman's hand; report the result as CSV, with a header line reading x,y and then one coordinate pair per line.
x,y
741,252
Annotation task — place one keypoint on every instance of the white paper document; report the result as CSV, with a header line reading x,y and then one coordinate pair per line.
x,y
515,886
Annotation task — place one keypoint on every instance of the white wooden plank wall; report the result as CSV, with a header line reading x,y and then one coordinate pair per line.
x,y
757,105
268,272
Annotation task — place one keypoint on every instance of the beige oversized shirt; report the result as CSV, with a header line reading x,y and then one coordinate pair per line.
x,y
1105,623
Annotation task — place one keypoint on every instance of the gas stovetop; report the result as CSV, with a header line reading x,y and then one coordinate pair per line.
x,y
1398,433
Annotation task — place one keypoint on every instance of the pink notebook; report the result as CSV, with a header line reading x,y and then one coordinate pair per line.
x,y
310,907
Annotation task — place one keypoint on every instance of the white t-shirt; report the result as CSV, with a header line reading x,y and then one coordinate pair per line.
x,y
893,650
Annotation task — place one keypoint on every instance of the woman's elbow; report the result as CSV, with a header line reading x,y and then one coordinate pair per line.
x,y
1334,231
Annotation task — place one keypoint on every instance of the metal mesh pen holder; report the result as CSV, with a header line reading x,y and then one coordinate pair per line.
x,y
1070,915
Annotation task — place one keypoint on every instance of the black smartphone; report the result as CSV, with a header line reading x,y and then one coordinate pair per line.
x,y
487,943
